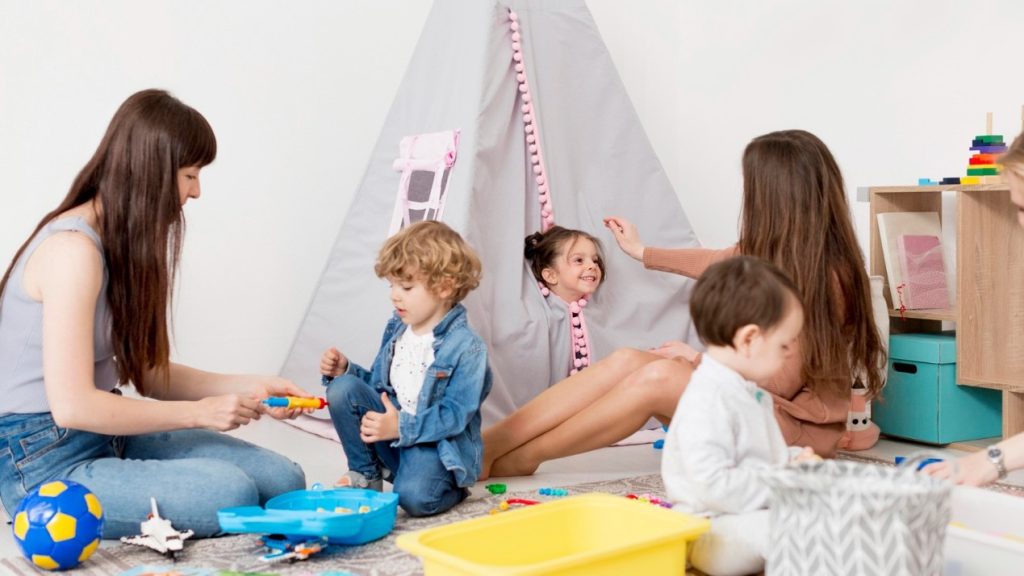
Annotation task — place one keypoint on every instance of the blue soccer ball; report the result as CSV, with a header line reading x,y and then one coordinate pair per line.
x,y
58,525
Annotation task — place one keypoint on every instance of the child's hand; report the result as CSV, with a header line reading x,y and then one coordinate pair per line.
x,y
333,363
626,235
377,427
807,455
675,349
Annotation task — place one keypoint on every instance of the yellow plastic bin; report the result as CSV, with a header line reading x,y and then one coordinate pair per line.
x,y
592,535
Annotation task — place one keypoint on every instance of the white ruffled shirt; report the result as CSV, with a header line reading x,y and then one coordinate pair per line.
x,y
413,355
722,440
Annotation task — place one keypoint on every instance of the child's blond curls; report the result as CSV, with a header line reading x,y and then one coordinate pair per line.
x,y
434,253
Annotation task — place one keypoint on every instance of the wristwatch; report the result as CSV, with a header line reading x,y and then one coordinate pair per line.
x,y
995,456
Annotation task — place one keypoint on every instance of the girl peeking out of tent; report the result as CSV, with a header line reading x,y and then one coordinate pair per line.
x,y
570,265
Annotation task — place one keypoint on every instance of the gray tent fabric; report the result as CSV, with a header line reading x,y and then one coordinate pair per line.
x,y
598,162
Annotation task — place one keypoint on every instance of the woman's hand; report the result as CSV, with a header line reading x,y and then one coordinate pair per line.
x,y
675,349
975,470
626,236
226,412
266,386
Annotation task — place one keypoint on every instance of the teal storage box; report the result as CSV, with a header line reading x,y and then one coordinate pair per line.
x,y
922,401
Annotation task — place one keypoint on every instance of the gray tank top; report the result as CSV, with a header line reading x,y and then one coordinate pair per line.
x,y
21,332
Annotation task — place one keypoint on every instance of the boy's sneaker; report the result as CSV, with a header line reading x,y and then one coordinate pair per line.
x,y
353,479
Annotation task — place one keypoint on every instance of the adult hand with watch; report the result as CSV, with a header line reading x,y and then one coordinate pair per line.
x,y
984,466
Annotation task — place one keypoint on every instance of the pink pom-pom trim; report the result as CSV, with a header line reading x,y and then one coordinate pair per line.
x,y
530,127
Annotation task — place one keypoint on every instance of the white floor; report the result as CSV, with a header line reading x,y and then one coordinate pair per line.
x,y
324,462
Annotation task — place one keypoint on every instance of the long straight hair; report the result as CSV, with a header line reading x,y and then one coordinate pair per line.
x,y
796,215
133,173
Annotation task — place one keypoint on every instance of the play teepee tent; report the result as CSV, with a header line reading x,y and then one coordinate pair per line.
x,y
510,116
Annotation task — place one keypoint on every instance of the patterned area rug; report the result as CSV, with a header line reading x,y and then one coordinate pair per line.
x,y
241,553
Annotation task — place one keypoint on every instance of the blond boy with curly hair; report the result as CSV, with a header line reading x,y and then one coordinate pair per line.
x,y
413,419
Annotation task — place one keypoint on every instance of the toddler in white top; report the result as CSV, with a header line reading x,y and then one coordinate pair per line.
x,y
724,437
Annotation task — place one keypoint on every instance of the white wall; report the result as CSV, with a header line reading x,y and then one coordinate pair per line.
x,y
298,90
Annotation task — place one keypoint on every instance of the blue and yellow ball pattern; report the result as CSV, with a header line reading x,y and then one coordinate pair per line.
x,y
58,525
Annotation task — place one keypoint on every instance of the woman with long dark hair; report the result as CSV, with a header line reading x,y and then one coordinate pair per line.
x,y
83,307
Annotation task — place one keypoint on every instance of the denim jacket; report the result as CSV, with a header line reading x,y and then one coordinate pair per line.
x,y
454,387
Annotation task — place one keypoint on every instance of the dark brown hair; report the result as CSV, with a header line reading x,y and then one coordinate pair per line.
x,y
542,248
796,216
436,252
133,173
737,292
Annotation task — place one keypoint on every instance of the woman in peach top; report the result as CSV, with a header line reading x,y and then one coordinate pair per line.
x,y
795,215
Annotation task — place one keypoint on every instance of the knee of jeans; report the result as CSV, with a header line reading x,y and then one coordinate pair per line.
x,y
420,498
240,490
417,502
290,476
341,389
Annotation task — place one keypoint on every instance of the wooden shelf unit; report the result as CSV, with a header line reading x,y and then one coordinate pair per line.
x,y
989,314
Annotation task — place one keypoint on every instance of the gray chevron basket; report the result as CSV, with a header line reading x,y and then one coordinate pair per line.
x,y
848,518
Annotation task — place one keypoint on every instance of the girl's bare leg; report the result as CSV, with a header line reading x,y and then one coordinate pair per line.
x,y
560,402
653,390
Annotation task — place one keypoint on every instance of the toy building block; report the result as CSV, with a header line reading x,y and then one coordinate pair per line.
x,y
950,180
927,182
982,171
990,138
989,149
970,180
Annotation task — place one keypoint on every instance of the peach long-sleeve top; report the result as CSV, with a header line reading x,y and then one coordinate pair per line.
x,y
807,417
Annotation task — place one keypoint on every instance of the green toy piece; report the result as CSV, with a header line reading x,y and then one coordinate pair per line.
x,y
496,488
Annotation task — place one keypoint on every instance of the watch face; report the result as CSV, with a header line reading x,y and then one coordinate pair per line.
x,y
995,453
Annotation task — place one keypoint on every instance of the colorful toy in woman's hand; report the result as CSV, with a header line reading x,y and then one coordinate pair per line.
x,y
295,402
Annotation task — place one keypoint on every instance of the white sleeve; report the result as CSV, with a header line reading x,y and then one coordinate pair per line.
x,y
706,439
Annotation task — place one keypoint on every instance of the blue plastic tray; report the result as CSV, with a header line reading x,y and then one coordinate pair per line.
x,y
311,513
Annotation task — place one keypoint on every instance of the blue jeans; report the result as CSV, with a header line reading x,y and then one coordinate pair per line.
x,y
424,486
191,473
